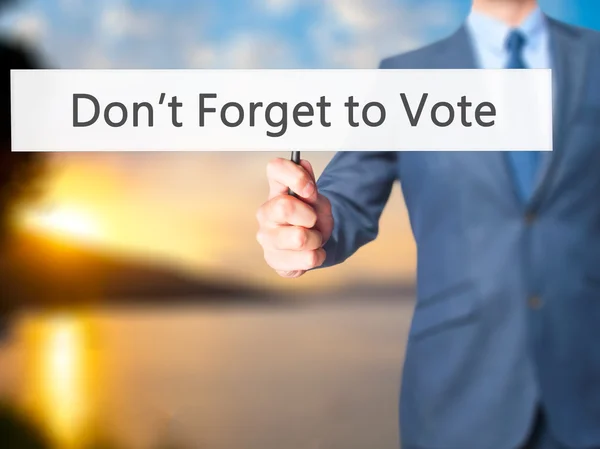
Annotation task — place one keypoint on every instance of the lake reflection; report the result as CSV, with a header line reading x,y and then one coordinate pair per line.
x,y
58,369
308,377
62,371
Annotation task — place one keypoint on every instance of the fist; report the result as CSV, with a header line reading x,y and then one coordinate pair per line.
x,y
292,231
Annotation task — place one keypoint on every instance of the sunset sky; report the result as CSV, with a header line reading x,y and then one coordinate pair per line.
x,y
197,210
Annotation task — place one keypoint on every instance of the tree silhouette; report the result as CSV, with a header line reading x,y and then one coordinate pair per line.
x,y
18,171
18,431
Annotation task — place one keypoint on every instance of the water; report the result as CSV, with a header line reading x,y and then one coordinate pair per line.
x,y
319,376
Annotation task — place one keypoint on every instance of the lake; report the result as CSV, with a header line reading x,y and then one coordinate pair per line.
x,y
311,376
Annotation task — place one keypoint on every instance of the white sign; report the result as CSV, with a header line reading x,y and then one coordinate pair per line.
x,y
221,110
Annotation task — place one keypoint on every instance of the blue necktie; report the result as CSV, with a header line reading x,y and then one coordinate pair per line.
x,y
524,164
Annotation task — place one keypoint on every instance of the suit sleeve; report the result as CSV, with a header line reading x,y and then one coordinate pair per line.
x,y
358,185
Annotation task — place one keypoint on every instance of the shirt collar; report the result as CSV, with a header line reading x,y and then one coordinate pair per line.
x,y
492,33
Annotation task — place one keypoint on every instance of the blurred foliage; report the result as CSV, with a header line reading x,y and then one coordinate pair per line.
x,y
19,172
18,432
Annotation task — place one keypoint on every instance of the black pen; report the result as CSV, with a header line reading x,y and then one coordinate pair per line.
x,y
296,160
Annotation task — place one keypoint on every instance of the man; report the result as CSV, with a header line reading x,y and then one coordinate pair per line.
x,y
503,348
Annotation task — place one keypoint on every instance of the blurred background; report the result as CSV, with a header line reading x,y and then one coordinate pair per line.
x,y
135,307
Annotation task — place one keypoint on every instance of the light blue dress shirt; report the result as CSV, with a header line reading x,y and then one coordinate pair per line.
x,y
489,36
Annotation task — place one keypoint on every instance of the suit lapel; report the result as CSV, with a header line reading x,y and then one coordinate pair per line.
x,y
459,53
569,60
568,73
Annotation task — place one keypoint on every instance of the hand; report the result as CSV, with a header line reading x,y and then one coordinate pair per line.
x,y
292,231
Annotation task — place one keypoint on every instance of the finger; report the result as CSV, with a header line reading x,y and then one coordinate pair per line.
x,y
313,200
293,238
290,274
322,207
287,260
287,210
308,167
325,222
283,174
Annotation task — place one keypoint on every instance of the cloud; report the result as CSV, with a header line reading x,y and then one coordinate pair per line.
x,y
70,5
97,59
251,51
328,33
120,21
362,14
200,56
242,51
30,27
278,7
359,33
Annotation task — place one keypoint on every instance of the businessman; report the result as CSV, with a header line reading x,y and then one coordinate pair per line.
x,y
504,346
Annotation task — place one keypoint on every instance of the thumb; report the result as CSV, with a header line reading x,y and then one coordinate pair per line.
x,y
308,167
312,200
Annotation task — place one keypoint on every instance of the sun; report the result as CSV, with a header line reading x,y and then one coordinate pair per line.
x,y
66,222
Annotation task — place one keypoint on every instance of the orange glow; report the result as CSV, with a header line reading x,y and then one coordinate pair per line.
x,y
65,222
62,389
60,366
158,206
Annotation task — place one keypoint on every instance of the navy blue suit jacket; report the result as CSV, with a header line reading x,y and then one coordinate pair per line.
x,y
508,308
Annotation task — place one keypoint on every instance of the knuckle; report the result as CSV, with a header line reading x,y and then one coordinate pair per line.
x,y
299,238
300,178
312,259
284,206
270,259
318,239
260,238
273,165
313,218
260,214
